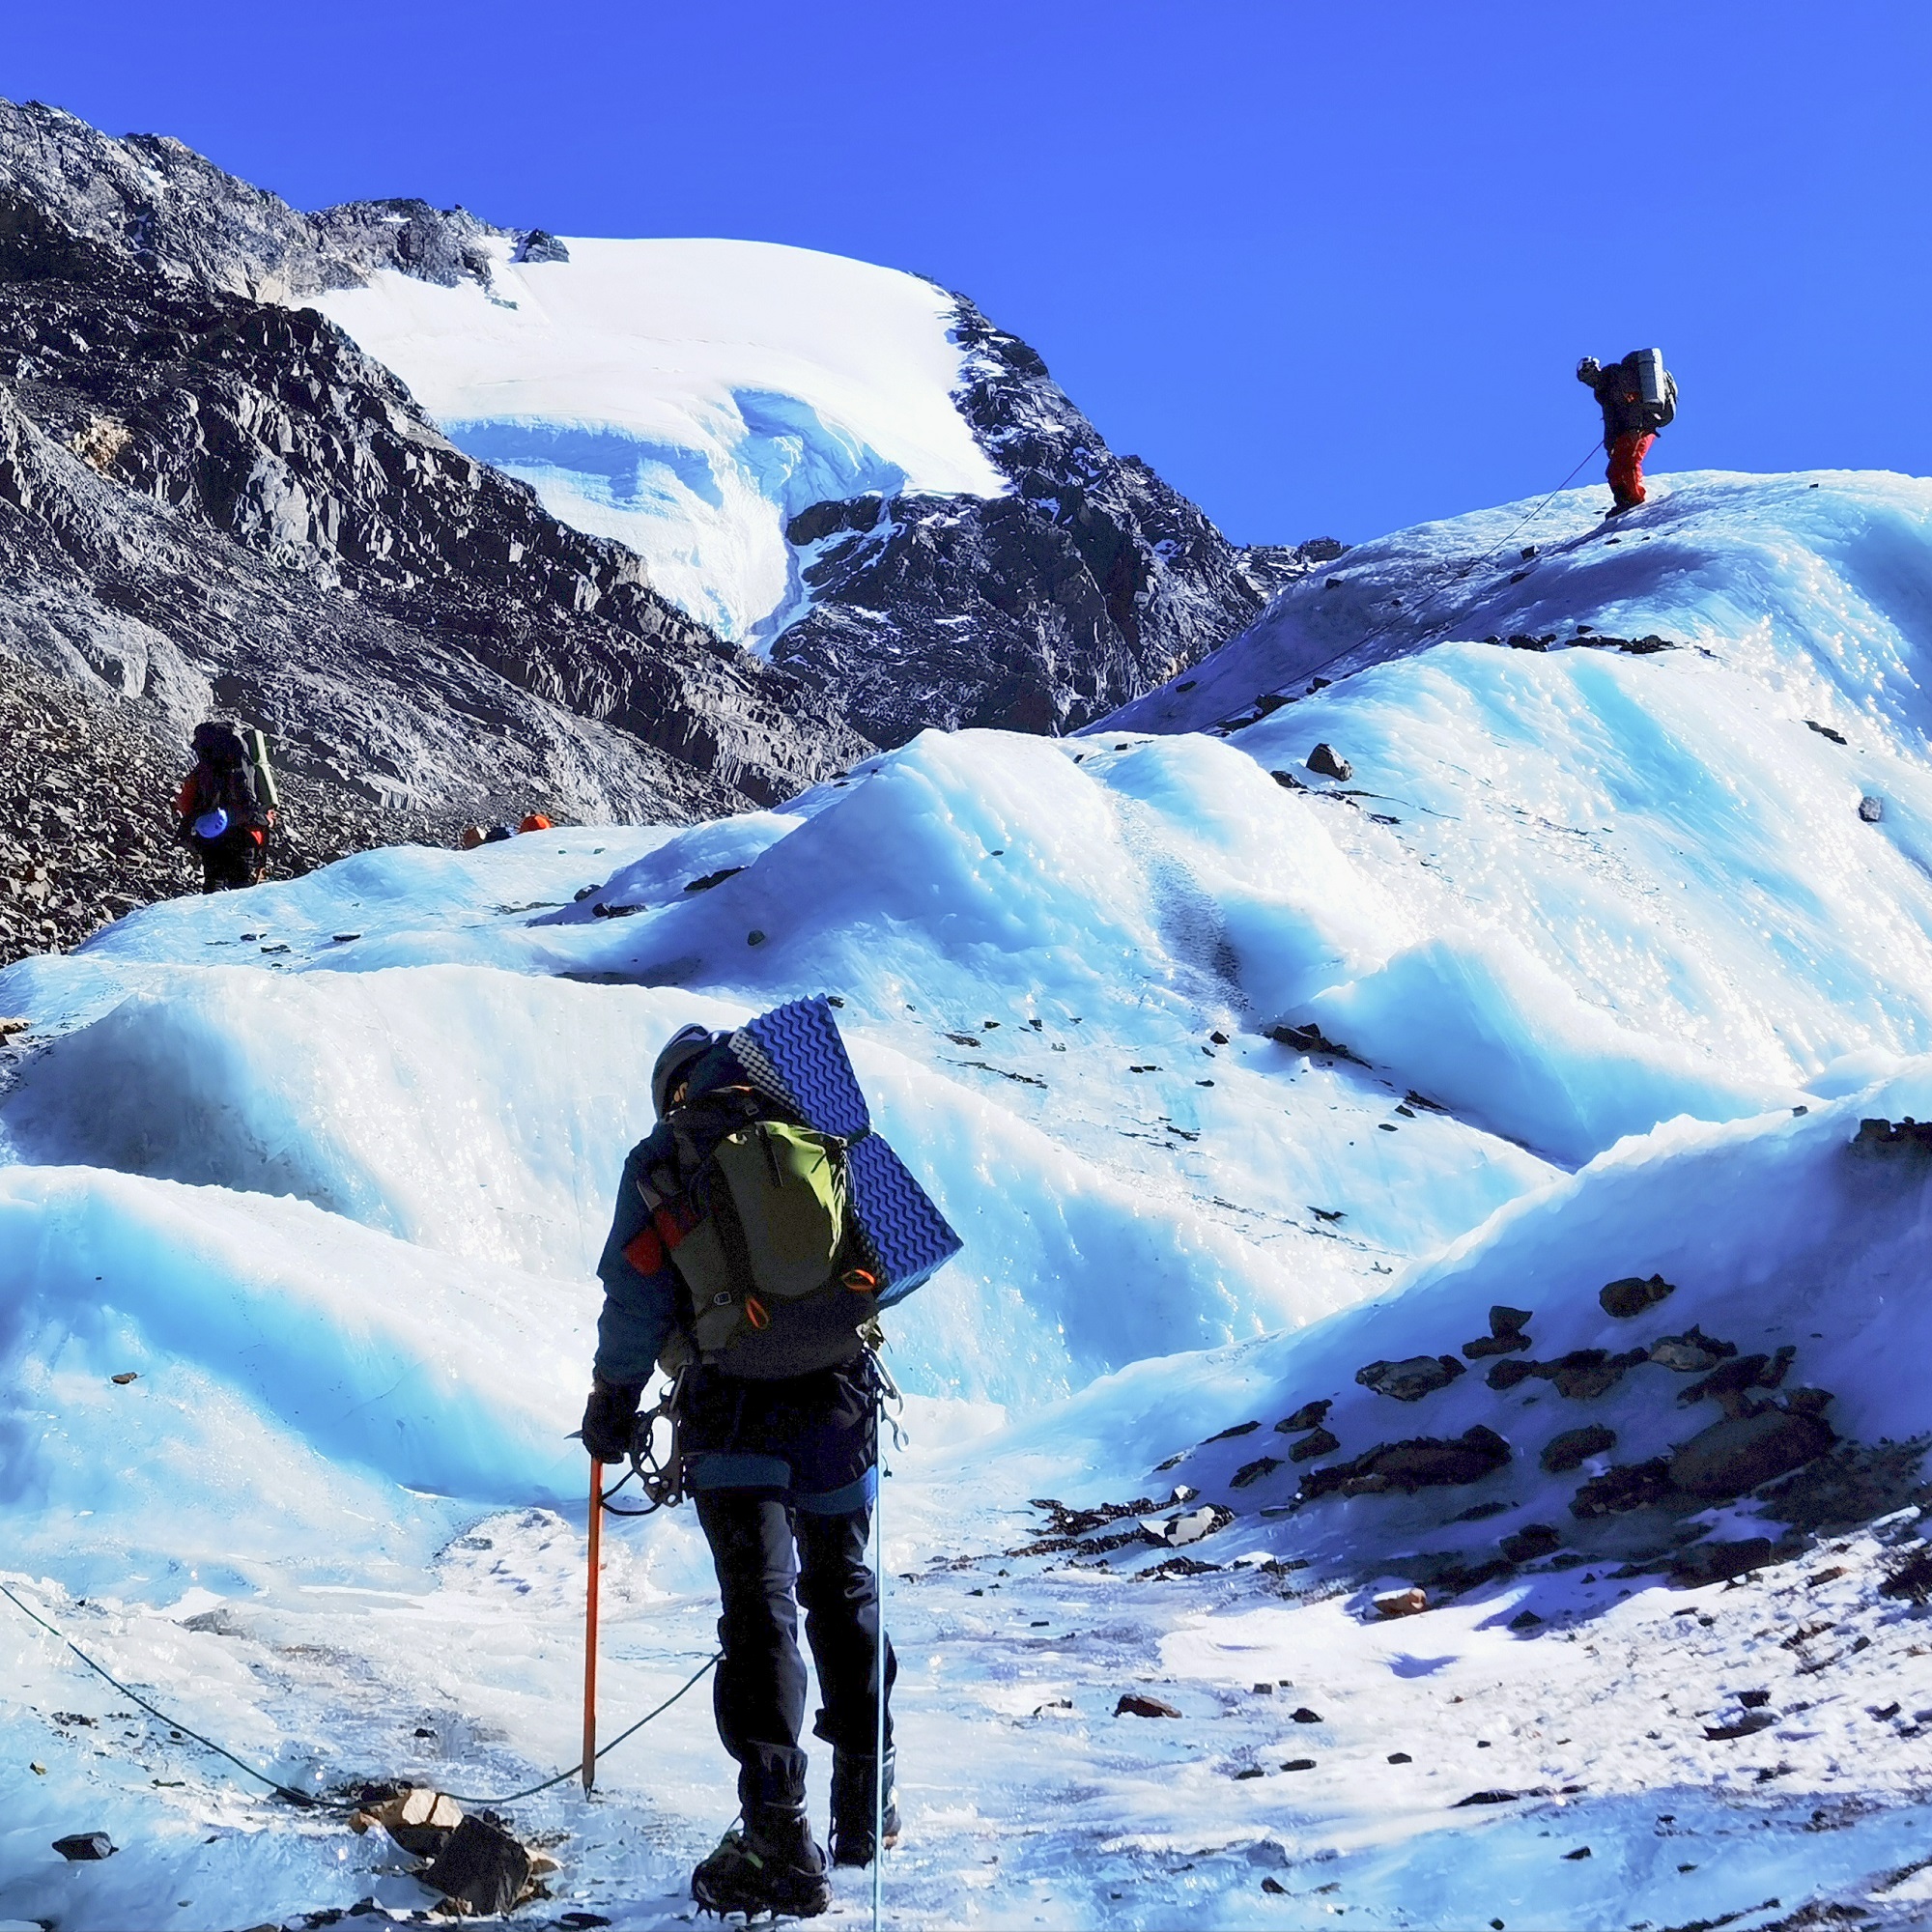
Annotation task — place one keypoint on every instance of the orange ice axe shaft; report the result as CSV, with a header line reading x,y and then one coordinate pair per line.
x,y
591,1627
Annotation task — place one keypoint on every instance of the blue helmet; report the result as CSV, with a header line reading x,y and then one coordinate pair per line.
x,y
211,824
686,1045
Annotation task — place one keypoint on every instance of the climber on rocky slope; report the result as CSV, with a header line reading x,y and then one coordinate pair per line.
x,y
778,1439
1638,397
222,818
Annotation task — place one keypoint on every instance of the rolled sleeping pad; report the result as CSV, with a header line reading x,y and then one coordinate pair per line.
x,y
1650,375
257,741
211,824
795,1055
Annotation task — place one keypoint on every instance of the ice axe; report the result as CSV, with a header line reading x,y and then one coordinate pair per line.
x,y
590,1765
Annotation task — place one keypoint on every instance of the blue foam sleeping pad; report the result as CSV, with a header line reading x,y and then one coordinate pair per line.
x,y
794,1053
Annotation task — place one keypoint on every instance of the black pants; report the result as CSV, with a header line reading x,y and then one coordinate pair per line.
x,y
229,863
770,1559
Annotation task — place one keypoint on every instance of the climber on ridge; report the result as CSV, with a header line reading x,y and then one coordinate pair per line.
x,y
1638,397
779,1420
223,819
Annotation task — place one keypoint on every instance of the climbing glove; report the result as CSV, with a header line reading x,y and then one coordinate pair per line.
x,y
609,1417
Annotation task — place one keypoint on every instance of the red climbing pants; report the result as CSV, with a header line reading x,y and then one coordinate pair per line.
x,y
1626,471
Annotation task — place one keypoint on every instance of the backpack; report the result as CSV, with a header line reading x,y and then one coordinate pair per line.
x,y
1656,392
771,1257
237,773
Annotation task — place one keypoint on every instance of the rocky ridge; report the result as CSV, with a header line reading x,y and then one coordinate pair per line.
x,y
213,503
1041,610
156,202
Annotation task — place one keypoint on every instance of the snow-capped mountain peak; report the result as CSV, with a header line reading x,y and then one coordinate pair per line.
x,y
688,398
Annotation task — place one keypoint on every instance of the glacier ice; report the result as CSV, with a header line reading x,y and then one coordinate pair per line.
x,y
1620,968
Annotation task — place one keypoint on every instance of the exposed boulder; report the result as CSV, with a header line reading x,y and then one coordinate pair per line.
x,y
1312,1040
419,1819
1506,1332
482,1867
1531,1541
1633,1294
1579,1376
1586,1372
1252,1472
1310,1415
1575,1446
1177,1531
1328,763
1228,1434
1423,1462
1718,1562
1730,1383
1494,1344
1402,1604
1743,1451
1690,1353
1138,1704
84,1847
1634,1486
1412,1378
1894,1140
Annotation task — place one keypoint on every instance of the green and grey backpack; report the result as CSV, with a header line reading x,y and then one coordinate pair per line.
x,y
773,1262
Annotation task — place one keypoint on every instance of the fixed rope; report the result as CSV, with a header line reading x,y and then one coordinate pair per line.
x,y
1462,573
307,1799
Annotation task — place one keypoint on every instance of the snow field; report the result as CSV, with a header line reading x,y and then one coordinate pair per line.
x,y
326,1165
1773,1231
688,398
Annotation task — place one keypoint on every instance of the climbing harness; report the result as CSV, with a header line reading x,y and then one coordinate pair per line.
x,y
345,1806
659,1470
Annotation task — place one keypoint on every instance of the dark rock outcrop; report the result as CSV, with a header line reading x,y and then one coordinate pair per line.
x,y
1575,1446
213,503
1412,1379
1581,1375
1423,1462
1531,1541
1310,1415
166,350
1690,1353
1894,1140
1507,1327
1633,1486
1633,1294
1717,1563
1040,611
1743,1451
154,202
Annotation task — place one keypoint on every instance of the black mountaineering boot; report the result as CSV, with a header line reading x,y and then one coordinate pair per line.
x,y
854,1801
765,1863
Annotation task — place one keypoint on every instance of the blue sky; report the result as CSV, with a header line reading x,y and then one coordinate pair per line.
x,y
1327,268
